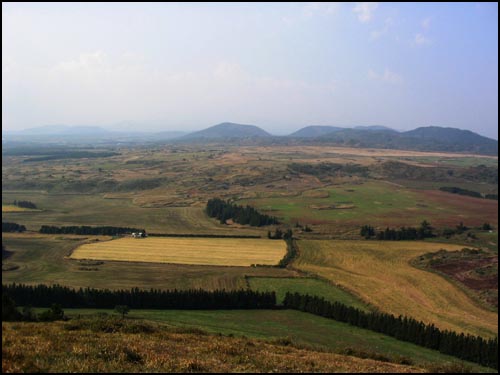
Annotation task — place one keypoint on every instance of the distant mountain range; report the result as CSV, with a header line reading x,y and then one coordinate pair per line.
x,y
431,138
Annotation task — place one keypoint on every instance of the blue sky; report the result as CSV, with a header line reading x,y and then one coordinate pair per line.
x,y
281,66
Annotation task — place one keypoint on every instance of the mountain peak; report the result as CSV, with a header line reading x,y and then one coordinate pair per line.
x,y
229,130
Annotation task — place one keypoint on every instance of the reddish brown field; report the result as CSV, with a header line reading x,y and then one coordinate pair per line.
x,y
463,271
472,211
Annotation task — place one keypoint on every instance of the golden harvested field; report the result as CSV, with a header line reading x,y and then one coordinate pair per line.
x,y
206,251
380,274
14,208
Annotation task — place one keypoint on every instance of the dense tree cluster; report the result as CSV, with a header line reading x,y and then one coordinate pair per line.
x,y
10,312
278,234
457,190
403,233
470,193
86,230
224,210
72,155
24,204
467,347
329,169
45,296
12,227
367,231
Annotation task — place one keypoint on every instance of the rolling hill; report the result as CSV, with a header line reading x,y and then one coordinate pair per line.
x,y
315,131
430,138
319,130
228,130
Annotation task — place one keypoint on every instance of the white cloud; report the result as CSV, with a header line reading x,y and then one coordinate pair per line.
x,y
365,11
387,76
421,39
376,34
332,8
426,23
313,8
310,8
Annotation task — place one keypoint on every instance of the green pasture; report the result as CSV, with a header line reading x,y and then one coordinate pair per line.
x,y
370,199
94,210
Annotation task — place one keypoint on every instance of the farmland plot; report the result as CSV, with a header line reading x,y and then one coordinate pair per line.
x,y
206,251
380,274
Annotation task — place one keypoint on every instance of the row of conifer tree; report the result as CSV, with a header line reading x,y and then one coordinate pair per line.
x,y
45,296
225,210
12,227
87,230
467,347
404,233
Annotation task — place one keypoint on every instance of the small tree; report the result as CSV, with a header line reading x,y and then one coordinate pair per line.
x,y
122,309
486,226
461,228
54,313
28,313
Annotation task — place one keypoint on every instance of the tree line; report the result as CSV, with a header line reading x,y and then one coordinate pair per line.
x,y
24,204
44,296
404,233
291,253
224,210
467,347
424,231
12,227
470,193
87,230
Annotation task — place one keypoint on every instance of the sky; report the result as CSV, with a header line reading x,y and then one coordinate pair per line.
x,y
281,66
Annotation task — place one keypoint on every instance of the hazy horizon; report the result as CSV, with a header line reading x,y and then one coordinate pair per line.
x,y
186,67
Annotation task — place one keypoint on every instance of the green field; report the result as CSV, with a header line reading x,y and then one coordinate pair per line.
x,y
44,259
370,202
302,328
303,285
94,210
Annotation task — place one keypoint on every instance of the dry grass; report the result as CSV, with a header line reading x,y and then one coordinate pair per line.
x,y
207,251
380,274
14,208
70,347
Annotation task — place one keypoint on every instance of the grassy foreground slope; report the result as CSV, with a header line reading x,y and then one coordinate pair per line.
x,y
380,274
33,347
289,327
